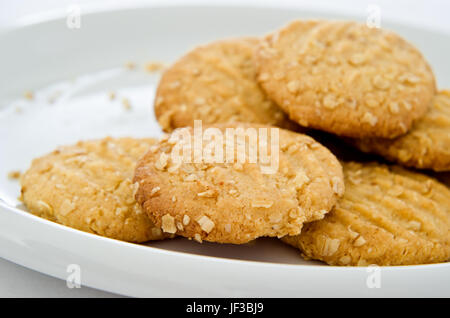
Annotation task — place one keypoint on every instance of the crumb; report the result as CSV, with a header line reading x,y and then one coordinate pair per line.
x,y
28,95
130,65
126,103
112,95
14,175
154,66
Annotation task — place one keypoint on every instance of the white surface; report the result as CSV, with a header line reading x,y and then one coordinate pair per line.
x,y
85,65
18,281
431,13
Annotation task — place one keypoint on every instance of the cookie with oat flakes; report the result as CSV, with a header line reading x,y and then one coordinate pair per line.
x,y
387,216
227,200
425,146
216,83
345,78
88,186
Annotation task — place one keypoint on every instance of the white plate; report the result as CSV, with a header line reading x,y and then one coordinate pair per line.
x,y
79,68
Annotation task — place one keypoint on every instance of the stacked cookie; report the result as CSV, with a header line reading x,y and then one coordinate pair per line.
x,y
88,186
367,86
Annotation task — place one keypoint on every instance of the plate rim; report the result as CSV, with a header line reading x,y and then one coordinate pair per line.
x,y
103,8
145,248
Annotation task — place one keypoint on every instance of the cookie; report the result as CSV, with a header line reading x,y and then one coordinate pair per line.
x,y
345,78
215,83
387,216
236,201
425,146
88,186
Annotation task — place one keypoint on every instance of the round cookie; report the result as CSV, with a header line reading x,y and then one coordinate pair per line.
x,y
228,201
387,216
425,146
216,83
345,78
88,186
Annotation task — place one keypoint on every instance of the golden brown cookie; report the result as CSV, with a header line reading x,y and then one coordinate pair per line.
x,y
425,146
215,83
233,202
88,186
345,78
387,216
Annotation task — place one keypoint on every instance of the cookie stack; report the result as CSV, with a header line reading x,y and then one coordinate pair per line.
x,y
367,86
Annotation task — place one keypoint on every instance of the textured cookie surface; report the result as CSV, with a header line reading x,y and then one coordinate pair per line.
x,y
235,202
215,83
387,216
425,146
88,186
345,78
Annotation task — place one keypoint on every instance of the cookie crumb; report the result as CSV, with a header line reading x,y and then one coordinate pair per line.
x,y
28,95
14,175
152,67
126,103
130,65
409,78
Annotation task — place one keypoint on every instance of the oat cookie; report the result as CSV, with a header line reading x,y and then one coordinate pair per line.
x,y
387,216
235,202
88,186
345,78
216,83
425,146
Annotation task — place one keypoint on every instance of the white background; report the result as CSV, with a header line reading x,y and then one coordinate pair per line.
x,y
16,281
